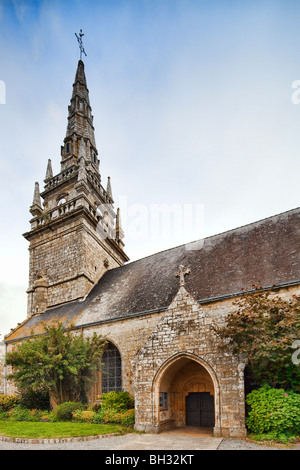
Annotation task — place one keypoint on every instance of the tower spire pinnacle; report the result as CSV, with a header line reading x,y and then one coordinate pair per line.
x,y
108,188
36,206
36,195
49,172
119,230
80,124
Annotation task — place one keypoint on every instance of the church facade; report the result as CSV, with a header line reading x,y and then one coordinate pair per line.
x,y
158,313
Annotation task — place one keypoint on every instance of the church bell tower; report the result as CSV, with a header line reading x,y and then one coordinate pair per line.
x,y
75,234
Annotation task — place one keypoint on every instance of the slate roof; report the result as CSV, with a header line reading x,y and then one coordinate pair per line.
x,y
264,253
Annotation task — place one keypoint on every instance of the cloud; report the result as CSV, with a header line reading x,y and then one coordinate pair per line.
x,y
21,8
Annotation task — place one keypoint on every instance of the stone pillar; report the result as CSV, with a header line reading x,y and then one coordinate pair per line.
x,y
40,295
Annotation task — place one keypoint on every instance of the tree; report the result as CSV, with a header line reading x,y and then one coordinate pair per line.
x,y
58,360
263,329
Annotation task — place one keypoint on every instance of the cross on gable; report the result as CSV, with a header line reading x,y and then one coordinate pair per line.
x,y
181,273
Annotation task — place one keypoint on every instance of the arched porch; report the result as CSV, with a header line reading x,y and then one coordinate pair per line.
x,y
185,391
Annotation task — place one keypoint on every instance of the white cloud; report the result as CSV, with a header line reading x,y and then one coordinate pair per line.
x,y
21,8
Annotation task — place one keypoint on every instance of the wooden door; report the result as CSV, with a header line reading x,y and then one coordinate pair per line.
x,y
200,409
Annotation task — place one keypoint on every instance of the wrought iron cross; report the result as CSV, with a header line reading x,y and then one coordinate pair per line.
x,y
79,39
181,273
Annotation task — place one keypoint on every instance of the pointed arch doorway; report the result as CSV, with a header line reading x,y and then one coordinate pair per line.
x,y
186,393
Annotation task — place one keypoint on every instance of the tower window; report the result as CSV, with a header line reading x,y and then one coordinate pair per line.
x,y
68,148
95,157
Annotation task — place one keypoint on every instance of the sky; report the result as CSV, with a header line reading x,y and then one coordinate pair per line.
x,y
196,108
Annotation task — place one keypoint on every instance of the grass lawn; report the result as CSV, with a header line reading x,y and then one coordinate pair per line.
x,y
36,430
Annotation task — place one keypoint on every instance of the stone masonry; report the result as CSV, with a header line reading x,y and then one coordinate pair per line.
x,y
183,338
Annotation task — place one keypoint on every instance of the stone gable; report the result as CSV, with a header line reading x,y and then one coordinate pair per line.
x,y
180,357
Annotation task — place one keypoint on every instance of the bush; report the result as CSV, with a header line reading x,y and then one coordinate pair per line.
x,y
35,399
8,401
83,416
64,411
49,416
110,415
274,412
117,401
4,415
23,414
128,417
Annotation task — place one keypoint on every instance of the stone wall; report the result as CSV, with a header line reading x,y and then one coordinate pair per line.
x,y
184,340
177,352
71,259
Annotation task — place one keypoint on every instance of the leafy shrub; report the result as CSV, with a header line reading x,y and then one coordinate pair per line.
x,y
35,399
110,415
94,406
128,417
65,410
4,415
48,416
273,411
23,414
83,416
117,400
98,417
8,401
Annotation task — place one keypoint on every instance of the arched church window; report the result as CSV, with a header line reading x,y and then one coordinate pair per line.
x,y
111,377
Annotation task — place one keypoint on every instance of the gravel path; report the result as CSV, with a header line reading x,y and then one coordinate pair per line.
x,y
241,444
128,442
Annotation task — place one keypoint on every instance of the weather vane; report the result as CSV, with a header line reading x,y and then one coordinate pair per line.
x,y
79,39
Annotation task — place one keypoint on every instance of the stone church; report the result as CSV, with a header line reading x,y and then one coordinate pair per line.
x,y
157,313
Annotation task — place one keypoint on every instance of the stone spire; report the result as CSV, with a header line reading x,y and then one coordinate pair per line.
x,y
36,207
36,195
49,172
119,231
80,123
108,188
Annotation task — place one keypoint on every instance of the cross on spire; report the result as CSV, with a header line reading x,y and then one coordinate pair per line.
x,y
79,39
181,273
